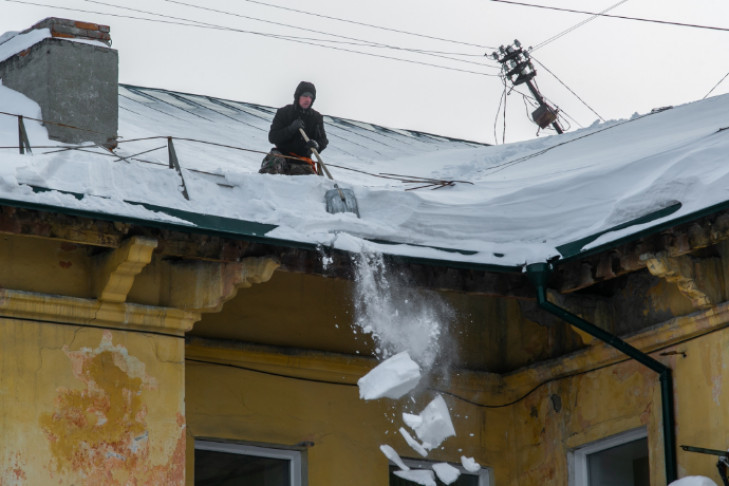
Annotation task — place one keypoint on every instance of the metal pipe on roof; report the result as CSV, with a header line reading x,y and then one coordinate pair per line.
x,y
538,274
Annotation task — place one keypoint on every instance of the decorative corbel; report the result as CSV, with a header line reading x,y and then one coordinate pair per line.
x,y
122,266
678,270
206,286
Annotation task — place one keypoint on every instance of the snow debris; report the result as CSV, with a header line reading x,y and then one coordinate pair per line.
x,y
392,378
411,420
396,315
435,424
693,481
417,447
419,476
393,456
470,465
446,473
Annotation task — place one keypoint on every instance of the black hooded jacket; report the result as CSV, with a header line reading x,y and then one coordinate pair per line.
x,y
288,141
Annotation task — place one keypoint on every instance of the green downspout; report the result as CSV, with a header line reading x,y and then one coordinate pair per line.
x,y
538,273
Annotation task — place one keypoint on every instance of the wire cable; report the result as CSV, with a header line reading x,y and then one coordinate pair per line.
x,y
623,17
574,27
537,386
502,166
506,95
268,373
281,36
264,34
568,88
502,99
354,22
715,86
75,9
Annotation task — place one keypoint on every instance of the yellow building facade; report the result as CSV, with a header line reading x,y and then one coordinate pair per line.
x,y
105,380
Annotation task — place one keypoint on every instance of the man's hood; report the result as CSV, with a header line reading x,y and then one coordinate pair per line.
x,y
302,88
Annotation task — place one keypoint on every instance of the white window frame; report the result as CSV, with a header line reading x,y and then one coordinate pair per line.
x,y
577,459
485,475
293,456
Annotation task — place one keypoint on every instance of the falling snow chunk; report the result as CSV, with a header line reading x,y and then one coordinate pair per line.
x,y
419,476
413,443
393,456
392,378
411,420
435,425
693,481
446,473
470,465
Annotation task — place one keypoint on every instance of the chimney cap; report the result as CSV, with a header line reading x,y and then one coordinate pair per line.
x,y
74,29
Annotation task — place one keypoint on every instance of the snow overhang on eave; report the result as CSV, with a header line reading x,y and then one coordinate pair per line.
x,y
443,274
619,256
686,233
574,250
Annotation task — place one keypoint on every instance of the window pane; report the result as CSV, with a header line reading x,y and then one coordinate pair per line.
x,y
624,465
464,479
229,469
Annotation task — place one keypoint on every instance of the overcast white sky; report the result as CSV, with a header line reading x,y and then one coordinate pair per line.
x,y
616,66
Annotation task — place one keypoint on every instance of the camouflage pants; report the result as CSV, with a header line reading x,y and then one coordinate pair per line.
x,y
274,163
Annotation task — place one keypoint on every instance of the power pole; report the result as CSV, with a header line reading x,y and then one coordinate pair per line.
x,y
518,67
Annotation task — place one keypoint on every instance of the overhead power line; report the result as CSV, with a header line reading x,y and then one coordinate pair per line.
x,y
624,17
361,42
281,24
574,27
194,23
354,22
75,9
568,88
715,86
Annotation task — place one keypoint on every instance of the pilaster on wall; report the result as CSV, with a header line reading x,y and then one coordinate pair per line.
x,y
91,392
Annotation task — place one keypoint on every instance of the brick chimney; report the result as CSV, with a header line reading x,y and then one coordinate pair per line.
x,y
74,81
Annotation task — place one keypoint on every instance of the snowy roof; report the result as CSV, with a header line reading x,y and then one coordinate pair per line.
x,y
507,205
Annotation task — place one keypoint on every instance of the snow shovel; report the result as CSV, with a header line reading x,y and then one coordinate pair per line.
x,y
338,200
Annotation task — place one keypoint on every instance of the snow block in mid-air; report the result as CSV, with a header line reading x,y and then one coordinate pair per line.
x,y
392,378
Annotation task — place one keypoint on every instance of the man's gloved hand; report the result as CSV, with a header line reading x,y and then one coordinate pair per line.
x,y
295,125
312,144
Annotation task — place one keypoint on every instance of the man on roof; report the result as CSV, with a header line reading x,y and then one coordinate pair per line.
x,y
292,154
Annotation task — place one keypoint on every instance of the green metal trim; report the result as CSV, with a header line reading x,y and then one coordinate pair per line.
x,y
487,267
199,223
448,250
572,249
240,229
433,262
256,232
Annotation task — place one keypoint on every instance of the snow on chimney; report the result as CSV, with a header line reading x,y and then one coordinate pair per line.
x,y
73,29
69,69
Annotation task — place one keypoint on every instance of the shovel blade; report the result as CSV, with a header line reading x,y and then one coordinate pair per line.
x,y
335,203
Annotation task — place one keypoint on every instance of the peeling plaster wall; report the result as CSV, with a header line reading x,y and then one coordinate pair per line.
x,y
566,414
598,404
525,444
87,406
702,384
